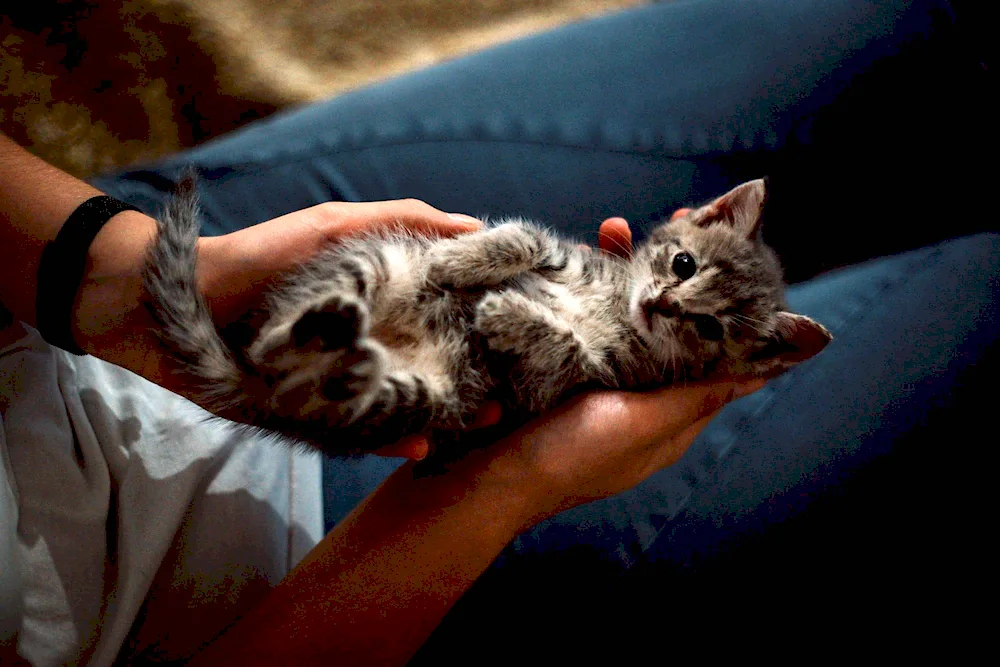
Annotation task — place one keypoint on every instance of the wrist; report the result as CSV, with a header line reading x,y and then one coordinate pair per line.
x,y
108,308
503,481
218,263
119,249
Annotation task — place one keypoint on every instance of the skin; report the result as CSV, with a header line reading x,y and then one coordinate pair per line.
x,y
377,585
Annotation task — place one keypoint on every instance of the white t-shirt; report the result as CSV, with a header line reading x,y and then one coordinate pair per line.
x,y
130,522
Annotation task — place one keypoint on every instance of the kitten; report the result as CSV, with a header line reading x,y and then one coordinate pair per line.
x,y
392,334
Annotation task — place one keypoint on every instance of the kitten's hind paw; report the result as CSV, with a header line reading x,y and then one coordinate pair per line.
x,y
356,372
342,383
338,322
337,325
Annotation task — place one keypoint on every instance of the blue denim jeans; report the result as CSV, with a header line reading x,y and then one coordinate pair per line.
x,y
862,114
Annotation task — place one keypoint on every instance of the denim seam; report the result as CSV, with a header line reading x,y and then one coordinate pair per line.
x,y
268,164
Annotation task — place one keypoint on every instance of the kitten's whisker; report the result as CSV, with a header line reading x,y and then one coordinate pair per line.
x,y
754,320
750,322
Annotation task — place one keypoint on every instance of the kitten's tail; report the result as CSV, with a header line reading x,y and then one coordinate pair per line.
x,y
186,325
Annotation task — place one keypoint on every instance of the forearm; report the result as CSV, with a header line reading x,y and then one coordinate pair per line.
x,y
35,201
375,588
108,318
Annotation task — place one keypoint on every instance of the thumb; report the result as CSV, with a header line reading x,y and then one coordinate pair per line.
x,y
663,413
615,237
724,392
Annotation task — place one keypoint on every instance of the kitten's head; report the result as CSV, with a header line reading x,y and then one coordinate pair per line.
x,y
707,293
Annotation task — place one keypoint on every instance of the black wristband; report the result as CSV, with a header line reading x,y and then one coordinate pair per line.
x,y
60,270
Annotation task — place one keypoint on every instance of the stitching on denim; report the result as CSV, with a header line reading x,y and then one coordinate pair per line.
x,y
267,165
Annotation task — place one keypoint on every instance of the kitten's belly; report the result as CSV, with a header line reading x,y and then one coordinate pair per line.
x,y
554,295
428,340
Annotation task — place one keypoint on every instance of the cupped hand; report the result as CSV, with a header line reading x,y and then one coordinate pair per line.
x,y
237,268
606,442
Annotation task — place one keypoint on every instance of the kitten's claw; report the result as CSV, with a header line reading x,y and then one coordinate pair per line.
x,y
356,372
343,383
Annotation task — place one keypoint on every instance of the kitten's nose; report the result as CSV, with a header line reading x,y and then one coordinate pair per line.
x,y
664,305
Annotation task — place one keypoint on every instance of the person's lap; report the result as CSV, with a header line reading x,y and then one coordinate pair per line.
x,y
635,115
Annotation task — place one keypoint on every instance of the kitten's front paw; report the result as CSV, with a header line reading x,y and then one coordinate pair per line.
x,y
493,321
510,322
442,272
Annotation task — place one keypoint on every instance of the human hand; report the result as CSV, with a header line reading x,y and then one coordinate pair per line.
x,y
236,269
603,443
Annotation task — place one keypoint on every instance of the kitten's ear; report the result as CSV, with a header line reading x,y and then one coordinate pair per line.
x,y
796,338
742,208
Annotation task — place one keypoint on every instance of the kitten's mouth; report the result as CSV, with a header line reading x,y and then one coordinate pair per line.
x,y
707,326
664,307
647,317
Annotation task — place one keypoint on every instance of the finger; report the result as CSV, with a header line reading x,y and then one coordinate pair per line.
x,y
748,387
671,450
693,404
466,219
658,415
615,237
414,447
488,415
680,213
412,214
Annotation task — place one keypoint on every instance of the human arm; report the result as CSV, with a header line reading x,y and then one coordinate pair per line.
x,y
393,568
376,587
35,201
109,319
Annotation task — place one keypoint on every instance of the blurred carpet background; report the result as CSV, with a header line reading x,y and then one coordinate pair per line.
x,y
90,85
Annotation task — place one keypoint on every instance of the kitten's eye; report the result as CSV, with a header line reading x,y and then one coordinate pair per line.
x,y
684,266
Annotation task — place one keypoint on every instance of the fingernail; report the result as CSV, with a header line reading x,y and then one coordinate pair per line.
x,y
468,219
421,451
750,387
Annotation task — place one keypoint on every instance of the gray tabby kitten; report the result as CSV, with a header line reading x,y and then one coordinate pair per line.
x,y
393,334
